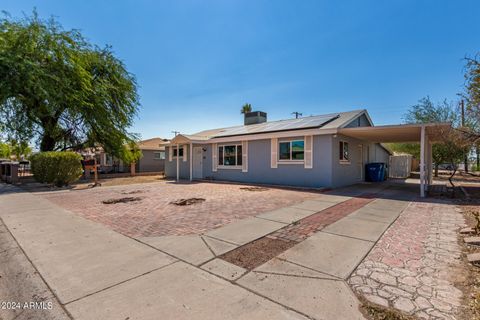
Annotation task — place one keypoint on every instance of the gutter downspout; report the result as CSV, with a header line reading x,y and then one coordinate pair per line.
x,y
422,162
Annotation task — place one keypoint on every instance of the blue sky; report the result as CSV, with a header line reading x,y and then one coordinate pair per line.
x,y
197,62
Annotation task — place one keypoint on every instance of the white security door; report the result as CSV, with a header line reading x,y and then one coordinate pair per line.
x,y
197,163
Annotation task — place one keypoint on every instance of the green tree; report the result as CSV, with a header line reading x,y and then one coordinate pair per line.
x,y
472,88
20,149
5,150
425,111
247,107
61,90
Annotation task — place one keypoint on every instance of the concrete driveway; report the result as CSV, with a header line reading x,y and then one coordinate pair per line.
x,y
93,272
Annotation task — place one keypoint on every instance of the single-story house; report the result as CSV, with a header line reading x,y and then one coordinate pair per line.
x,y
153,158
318,151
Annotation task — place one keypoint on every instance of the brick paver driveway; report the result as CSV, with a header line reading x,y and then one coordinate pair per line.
x,y
154,215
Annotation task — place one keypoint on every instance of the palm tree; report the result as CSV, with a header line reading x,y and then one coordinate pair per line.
x,y
247,107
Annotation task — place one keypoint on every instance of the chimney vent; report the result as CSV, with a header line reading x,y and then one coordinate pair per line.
x,y
255,117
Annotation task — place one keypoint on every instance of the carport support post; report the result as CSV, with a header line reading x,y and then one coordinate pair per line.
x,y
429,163
422,162
178,163
191,161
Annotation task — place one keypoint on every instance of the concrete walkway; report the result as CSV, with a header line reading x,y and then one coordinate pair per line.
x,y
96,273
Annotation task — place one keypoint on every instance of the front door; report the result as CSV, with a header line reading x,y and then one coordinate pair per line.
x,y
197,163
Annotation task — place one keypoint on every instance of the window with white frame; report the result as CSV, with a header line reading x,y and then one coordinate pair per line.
x,y
344,156
160,155
293,150
175,152
230,155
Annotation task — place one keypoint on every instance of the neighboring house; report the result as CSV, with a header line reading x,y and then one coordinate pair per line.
x,y
153,158
306,152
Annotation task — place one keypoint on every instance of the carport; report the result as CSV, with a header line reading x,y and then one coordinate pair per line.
x,y
425,134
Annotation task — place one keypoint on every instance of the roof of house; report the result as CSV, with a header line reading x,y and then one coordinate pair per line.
x,y
326,121
153,144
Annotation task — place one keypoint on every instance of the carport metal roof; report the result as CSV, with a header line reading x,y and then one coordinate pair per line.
x,y
396,133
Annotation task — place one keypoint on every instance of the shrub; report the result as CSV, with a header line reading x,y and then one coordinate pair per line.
x,y
58,168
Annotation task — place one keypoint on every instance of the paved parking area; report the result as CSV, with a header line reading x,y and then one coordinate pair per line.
x,y
154,216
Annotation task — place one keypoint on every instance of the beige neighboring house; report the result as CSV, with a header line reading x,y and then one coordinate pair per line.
x,y
153,159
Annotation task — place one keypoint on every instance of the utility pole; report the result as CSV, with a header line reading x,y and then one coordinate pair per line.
x,y
175,132
297,114
465,162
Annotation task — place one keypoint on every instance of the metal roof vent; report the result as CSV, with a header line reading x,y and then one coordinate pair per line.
x,y
255,117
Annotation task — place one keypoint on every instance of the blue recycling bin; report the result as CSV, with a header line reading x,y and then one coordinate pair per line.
x,y
375,172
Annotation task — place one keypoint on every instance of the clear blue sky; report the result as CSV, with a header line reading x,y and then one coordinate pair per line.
x,y
197,62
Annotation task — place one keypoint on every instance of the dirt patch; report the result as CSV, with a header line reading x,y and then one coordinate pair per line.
x,y
376,312
121,200
254,188
471,282
258,252
187,202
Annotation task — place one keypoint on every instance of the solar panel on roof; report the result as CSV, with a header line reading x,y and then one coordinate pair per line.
x,y
284,125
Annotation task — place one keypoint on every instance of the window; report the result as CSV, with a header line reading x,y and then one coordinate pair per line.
x,y
175,152
108,159
159,155
230,155
291,150
344,155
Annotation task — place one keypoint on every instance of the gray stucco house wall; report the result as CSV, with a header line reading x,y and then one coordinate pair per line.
x,y
259,170
171,166
148,162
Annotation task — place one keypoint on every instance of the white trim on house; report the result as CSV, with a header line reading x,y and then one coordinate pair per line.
x,y
184,156
274,153
178,162
229,167
244,156
191,161
214,157
291,162
308,152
